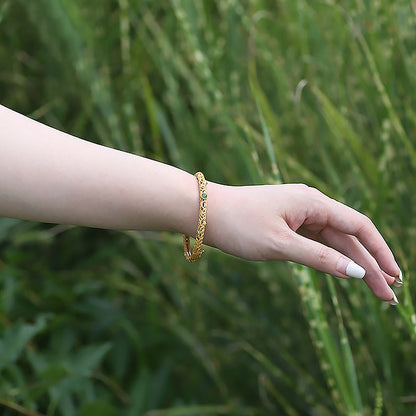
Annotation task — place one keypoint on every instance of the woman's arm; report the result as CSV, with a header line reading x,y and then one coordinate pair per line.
x,y
50,176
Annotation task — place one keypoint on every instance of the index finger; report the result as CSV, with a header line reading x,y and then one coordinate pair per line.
x,y
352,222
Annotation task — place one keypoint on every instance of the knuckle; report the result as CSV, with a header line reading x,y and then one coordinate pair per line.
x,y
314,192
322,255
365,224
367,221
316,200
301,186
365,217
316,197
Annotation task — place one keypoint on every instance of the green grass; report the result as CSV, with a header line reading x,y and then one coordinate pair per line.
x,y
97,322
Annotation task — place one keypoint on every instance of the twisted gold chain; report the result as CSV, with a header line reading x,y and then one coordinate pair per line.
x,y
197,251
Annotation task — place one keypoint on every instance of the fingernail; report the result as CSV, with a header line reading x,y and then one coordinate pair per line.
x,y
394,301
354,270
350,268
399,279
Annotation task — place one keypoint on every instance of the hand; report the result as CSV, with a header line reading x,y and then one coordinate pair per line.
x,y
300,224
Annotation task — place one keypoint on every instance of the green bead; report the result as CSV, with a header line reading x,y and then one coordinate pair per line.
x,y
204,195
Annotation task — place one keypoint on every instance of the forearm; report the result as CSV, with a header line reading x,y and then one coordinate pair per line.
x,y
50,176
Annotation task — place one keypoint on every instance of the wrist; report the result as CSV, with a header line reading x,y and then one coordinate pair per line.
x,y
216,198
189,213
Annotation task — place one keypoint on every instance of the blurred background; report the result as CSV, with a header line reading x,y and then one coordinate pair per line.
x,y
96,322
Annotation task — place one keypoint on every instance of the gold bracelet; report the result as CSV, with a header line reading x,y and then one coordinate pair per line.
x,y
202,222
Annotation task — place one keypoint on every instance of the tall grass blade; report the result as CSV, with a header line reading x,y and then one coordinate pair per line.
x,y
264,110
331,360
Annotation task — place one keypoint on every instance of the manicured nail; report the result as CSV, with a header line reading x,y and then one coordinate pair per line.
x,y
349,268
354,270
394,301
399,279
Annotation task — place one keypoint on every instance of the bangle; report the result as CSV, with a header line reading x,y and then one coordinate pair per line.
x,y
202,222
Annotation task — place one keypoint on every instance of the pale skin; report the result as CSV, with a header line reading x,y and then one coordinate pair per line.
x,y
53,177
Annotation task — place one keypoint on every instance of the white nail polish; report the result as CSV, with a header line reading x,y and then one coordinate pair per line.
x,y
394,302
354,270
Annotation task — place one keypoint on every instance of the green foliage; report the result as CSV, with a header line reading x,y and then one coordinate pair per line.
x,y
96,322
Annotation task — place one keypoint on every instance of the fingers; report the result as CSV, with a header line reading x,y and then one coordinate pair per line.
x,y
349,221
302,250
376,279
328,260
